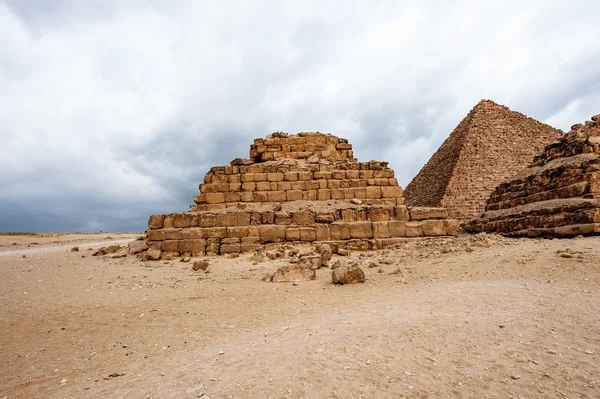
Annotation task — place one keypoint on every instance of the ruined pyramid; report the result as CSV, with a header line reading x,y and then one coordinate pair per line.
x,y
298,188
557,195
490,145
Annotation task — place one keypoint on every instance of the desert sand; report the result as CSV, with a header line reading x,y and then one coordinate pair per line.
x,y
462,317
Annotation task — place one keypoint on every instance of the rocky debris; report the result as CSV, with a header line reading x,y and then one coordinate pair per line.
x,y
311,260
75,249
347,275
200,265
336,264
258,256
185,259
294,273
356,201
137,246
111,249
325,251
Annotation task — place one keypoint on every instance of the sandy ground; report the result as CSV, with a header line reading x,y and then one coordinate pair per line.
x,y
467,317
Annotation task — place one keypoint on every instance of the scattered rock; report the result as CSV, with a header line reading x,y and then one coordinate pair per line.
x,y
347,275
259,256
75,249
356,201
336,265
200,265
152,254
277,207
343,252
185,259
288,274
137,246
310,260
267,277
326,253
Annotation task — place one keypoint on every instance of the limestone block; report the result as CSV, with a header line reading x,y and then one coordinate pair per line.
x,y
200,198
214,232
381,230
215,207
225,219
391,191
298,185
323,195
237,178
308,234
338,174
305,176
263,186
230,246
277,196
213,246
349,215
207,220
268,217
196,247
275,177
434,227
170,246
373,192
192,232
423,213
260,196
283,218
294,273
361,230
336,193
401,213
365,174
232,197
238,232
347,274
156,221
397,228
312,185
325,217
292,233
247,196
322,232
272,233
294,195
284,186
360,193
303,218
168,222
251,186
379,214
322,184
414,229
163,234
290,176
215,198
451,227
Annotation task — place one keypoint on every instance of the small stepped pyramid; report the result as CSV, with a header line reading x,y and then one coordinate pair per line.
x,y
298,188
557,195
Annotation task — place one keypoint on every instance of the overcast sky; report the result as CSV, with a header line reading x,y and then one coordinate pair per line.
x,y
113,110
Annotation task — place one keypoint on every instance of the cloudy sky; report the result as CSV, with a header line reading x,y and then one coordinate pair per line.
x,y
112,110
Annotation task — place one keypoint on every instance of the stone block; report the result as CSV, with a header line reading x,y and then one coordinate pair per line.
x,y
305,176
337,193
170,246
192,233
290,176
349,215
283,218
225,219
373,192
215,232
397,228
303,218
379,214
215,198
247,196
196,247
233,197
238,232
275,177
200,198
284,186
335,232
242,218
360,193
263,186
322,232
207,220
401,213
277,196
294,195
352,174
298,185
272,233
156,221
292,233
423,213
361,230
251,186
308,234
323,195
381,230
168,222
451,227
414,229
213,246
260,196
391,192
312,185
434,228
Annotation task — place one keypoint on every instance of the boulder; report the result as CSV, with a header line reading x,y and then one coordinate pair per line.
x,y
347,275
137,246
310,260
293,273
200,265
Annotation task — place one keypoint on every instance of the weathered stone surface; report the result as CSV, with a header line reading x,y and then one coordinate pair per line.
x,y
347,275
294,273
490,145
326,253
200,265
313,261
137,246
557,195
153,254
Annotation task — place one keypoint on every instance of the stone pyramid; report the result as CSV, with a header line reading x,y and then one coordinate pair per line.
x,y
557,195
298,188
490,145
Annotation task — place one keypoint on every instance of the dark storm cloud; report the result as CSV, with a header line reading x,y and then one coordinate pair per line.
x,y
111,111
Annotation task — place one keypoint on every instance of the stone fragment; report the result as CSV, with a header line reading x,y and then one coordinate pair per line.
x,y
153,254
294,273
200,265
347,275
137,246
326,253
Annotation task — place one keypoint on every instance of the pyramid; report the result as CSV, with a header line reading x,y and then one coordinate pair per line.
x,y
490,145
300,188
557,195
